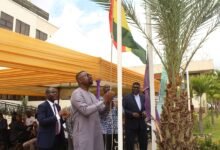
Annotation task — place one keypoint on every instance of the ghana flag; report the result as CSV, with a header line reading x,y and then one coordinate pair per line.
x,y
128,43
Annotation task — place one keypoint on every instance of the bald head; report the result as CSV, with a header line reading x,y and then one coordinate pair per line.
x,y
51,94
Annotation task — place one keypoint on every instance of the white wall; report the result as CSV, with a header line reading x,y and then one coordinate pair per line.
x,y
195,101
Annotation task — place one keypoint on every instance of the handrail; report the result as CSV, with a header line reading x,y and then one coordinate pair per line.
x,y
9,108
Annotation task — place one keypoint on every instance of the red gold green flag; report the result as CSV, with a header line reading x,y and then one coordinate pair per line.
x,y
128,43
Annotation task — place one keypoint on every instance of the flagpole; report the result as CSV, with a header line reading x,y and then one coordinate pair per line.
x,y
151,77
119,76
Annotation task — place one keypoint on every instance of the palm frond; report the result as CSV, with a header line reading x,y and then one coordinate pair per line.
x,y
201,84
176,22
103,3
132,16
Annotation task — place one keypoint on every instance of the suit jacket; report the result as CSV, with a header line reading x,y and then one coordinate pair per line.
x,y
130,106
47,126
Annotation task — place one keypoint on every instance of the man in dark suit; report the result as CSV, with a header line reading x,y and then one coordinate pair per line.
x,y
135,115
50,117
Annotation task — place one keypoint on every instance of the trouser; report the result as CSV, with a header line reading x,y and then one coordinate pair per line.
x,y
130,138
110,141
59,144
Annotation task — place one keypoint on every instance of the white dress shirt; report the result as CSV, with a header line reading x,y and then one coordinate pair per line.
x,y
54,108
138,100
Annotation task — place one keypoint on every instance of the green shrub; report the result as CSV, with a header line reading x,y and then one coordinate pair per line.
x,y
208,124
206,143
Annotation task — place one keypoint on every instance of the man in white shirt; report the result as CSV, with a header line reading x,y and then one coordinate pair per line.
x,y
50,117
135,115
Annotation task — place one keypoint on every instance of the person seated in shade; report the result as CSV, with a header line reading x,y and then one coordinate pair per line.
x,y
32,143
29,119
3,132
18,130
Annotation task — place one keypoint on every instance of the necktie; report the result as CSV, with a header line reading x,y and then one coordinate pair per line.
x,y
57,123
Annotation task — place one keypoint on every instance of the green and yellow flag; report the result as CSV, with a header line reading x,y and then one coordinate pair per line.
x,y
128,43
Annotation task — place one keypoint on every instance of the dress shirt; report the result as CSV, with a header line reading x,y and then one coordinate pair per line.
x,y
54,108
138,101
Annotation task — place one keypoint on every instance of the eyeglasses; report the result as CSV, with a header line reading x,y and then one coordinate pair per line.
x,y
88,75
52,92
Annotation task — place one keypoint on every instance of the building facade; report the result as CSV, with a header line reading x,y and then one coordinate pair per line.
x,y
23,17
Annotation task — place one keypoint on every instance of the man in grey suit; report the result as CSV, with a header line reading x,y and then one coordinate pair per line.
x,y
135,115
87,133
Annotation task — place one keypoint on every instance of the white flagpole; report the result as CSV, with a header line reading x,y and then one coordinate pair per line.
x,y
151,77
119,76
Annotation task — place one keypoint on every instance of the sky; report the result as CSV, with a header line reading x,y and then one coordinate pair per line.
x,y
84,26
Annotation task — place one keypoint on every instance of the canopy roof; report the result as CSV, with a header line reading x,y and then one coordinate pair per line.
x,y
33,64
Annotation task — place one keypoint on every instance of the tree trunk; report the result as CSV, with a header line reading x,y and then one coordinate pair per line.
x,y
176,124
200,121
212,113
217,109
200,116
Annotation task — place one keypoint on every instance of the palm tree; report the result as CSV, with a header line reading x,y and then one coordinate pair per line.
x,y
24,103
177,24
215,92
201,84
212,94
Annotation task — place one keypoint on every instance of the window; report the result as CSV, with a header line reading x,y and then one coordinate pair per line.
x,y
41,35
6,21
22,27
